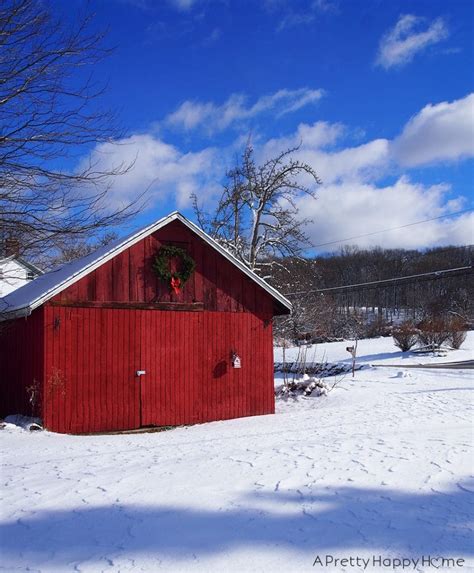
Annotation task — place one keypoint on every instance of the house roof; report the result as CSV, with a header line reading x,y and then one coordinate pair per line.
x,y
24,300
25,264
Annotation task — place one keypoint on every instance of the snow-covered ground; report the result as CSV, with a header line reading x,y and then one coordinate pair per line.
x,y
378,469
376,351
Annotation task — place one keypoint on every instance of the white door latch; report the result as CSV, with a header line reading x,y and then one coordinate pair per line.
x,y
141,372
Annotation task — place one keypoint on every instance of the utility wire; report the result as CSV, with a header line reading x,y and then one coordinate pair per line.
x,y
432,273
392,229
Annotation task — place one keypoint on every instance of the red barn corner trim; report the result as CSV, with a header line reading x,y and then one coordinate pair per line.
x,y
24,300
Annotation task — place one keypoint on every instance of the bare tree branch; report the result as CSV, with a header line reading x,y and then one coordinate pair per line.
x,y
257,216
48,115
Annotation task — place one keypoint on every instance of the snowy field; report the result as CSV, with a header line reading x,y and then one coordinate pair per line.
x,y
379,469
376,351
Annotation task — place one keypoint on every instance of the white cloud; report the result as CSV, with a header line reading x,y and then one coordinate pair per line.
x,y
351,201
292,14
320,133
212,118
362,162
410,35
351,209
440,132
317,135
159,169
213,37
183,5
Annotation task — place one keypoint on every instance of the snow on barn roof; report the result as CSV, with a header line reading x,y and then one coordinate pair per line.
x,y
24,300
25,264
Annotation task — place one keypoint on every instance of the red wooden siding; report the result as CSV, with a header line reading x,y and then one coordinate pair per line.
x,y
129,277
85,345
189,375
21,363
92,355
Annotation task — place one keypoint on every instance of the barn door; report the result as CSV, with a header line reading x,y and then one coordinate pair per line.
x,y
89,367
170,356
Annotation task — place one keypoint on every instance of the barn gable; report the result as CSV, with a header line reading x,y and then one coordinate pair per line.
x,y
121,273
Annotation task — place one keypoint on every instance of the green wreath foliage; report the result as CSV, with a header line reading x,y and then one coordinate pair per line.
x,y
161,264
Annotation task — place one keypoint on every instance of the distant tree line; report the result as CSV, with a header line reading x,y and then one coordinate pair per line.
x,y
372,309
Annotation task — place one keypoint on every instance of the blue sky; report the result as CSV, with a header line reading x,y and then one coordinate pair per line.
x,y
377,92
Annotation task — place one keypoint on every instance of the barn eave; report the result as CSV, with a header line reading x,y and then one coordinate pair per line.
x,y
24,300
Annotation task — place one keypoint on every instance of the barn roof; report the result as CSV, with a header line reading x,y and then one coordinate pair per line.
x,y
24,300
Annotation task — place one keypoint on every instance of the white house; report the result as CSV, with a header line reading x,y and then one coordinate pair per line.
x,y
15,272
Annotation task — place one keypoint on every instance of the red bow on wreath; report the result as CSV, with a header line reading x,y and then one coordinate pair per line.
x,y
175,285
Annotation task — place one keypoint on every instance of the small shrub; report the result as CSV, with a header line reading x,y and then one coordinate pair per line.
x,y
378,327
457,332
433,332
405,336
457,338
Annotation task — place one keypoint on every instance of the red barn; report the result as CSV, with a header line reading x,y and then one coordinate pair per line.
x,y
164,327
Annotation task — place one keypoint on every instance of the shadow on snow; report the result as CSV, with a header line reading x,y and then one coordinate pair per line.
x,y
340,518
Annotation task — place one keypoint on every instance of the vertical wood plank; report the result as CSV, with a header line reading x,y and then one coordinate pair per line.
x,y
136,272
121,273
151,247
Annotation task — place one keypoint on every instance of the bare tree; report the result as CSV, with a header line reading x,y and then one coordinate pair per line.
x,y
69,249
48,116
257,214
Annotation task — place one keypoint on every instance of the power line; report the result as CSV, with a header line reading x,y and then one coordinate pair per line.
x,y
393,228
371,283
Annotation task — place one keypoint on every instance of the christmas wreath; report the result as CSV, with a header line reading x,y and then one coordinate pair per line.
x,y
167,270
